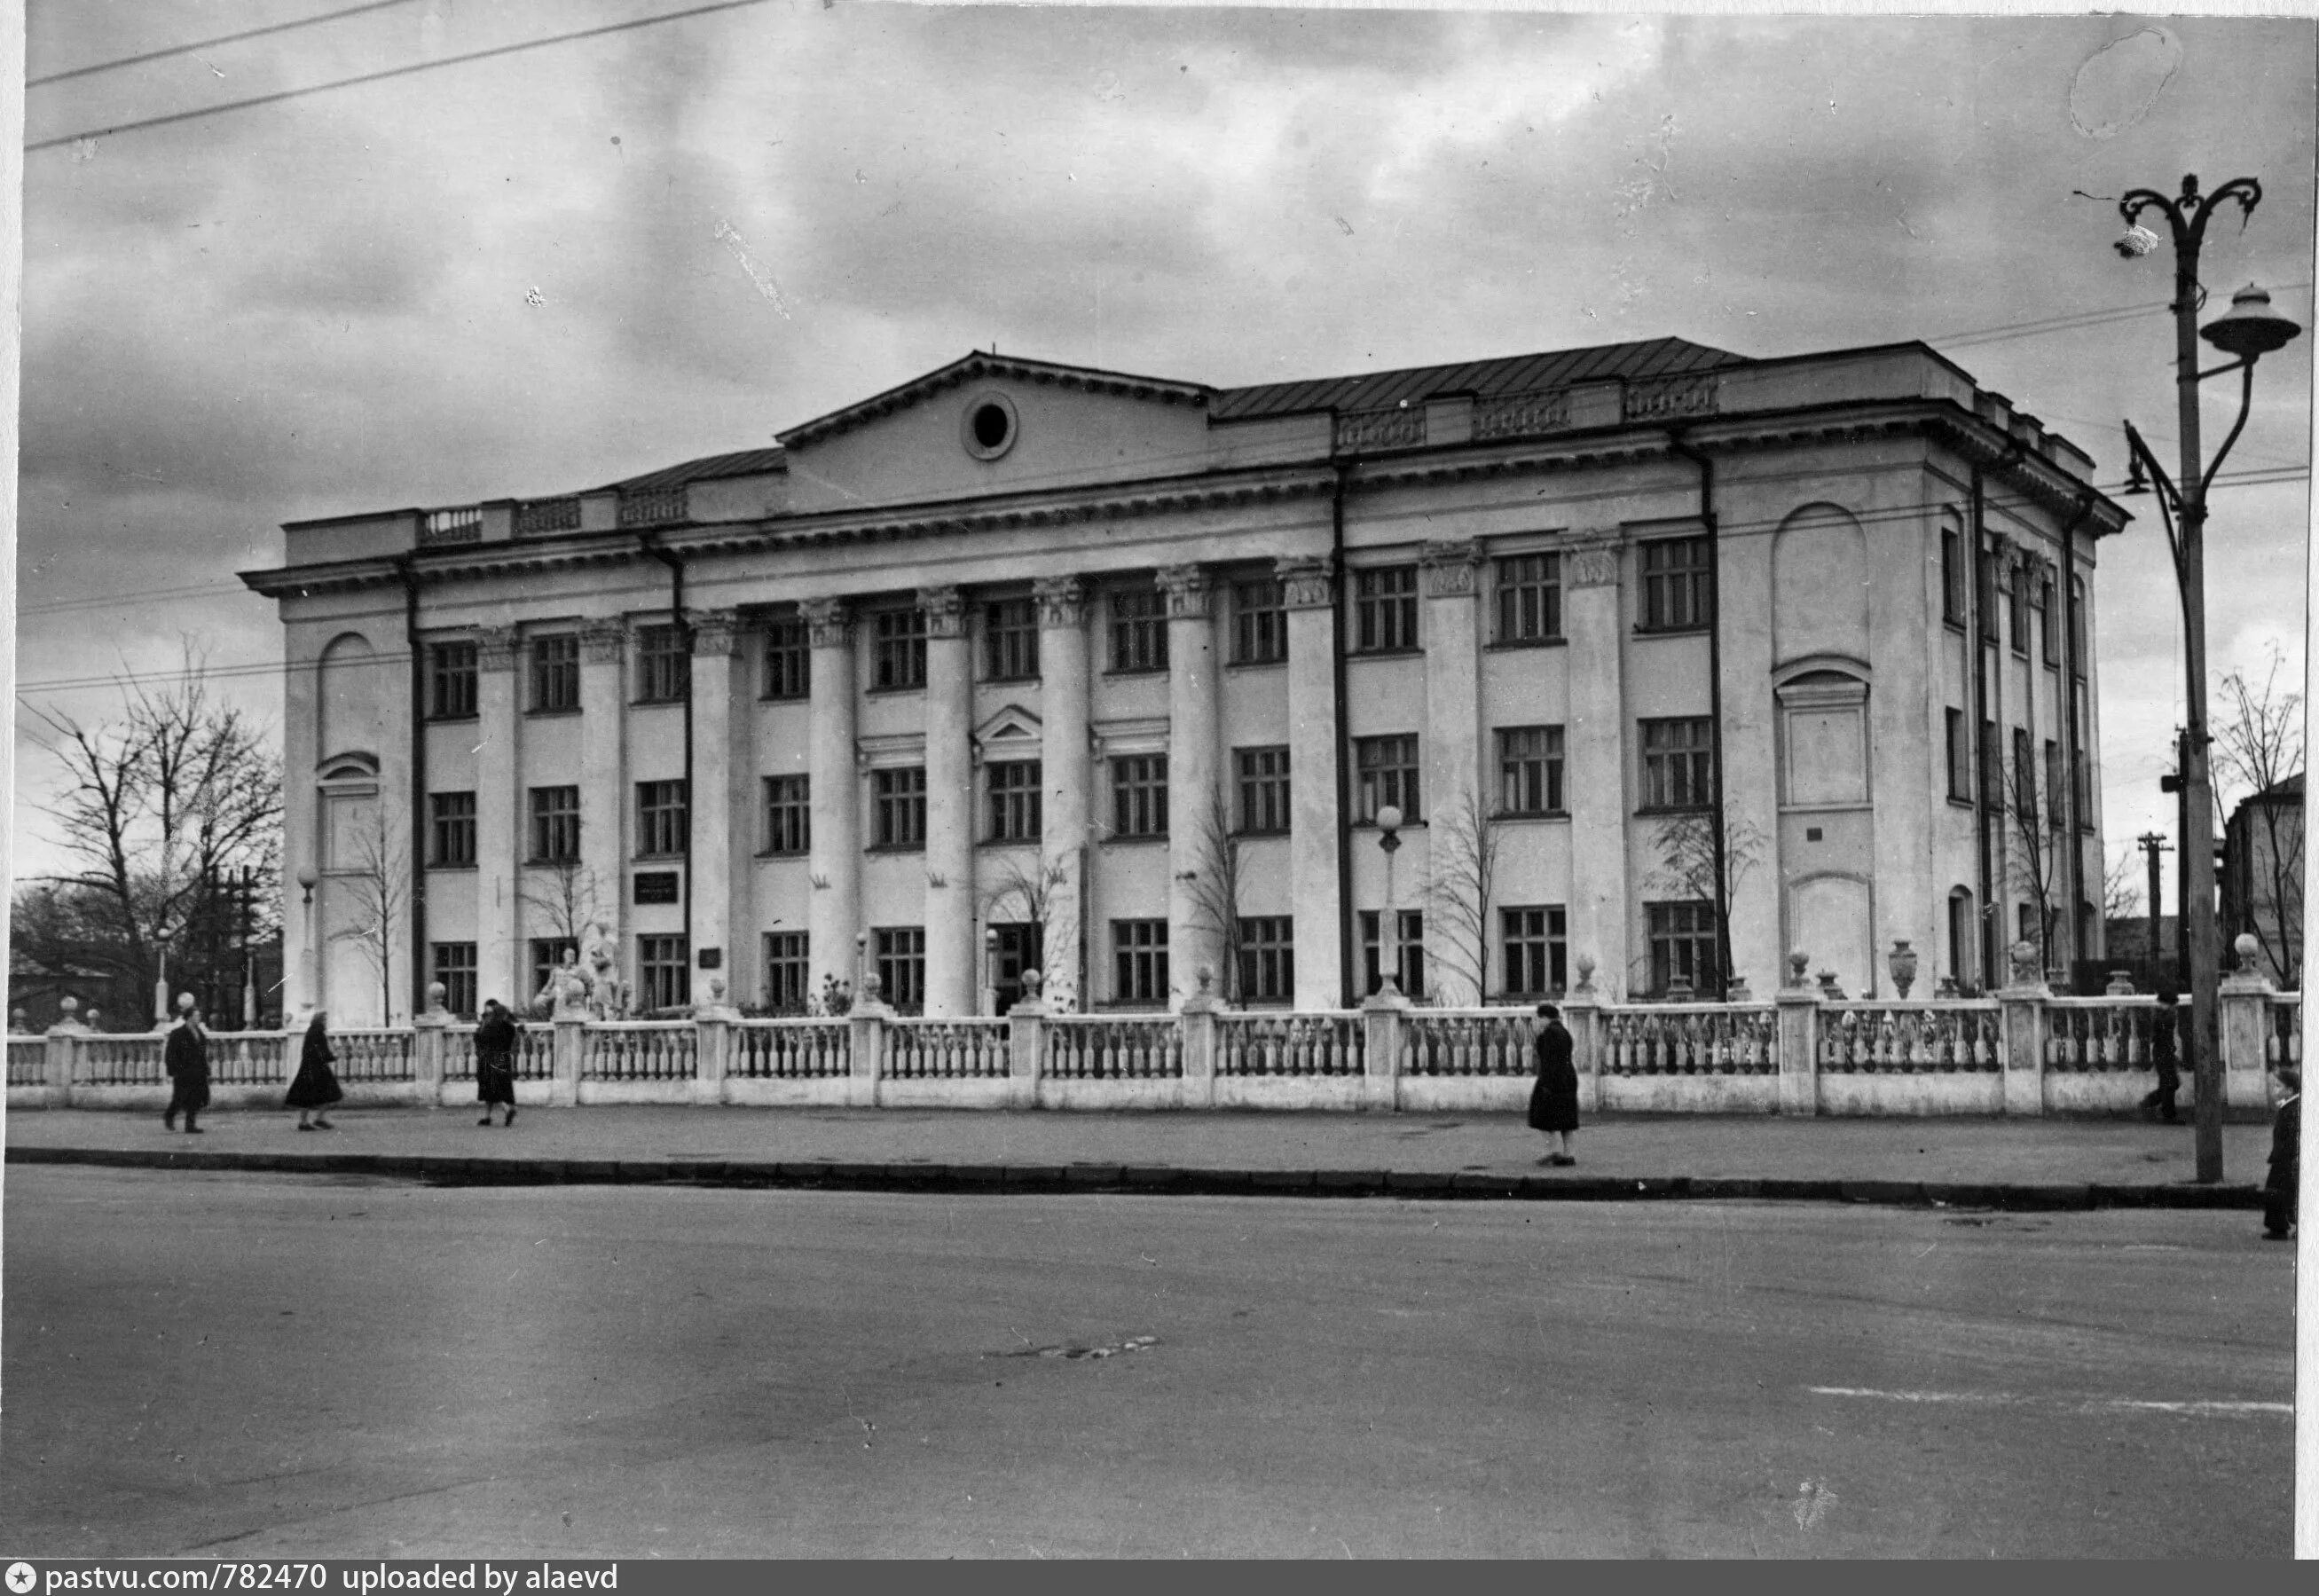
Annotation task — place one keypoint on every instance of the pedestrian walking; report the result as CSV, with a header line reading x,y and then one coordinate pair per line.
x,y
315,1086
2166,1057
495,1042
1554,1101
2281,1191
186,1057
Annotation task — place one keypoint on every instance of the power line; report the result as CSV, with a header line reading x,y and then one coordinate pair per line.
x,y
181,49
392,72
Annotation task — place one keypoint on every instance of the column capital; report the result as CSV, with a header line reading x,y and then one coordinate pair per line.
x,y
495,648
945,609
603,642
1307,582
1449,569
829,622
1590,559
1188,591
715,631
1062,600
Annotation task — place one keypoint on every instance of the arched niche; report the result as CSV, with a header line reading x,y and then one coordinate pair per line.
x,y
1832,916
1820,585
1824,734
347,697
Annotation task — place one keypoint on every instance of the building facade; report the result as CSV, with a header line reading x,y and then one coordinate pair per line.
x,y
2263,878
1023,663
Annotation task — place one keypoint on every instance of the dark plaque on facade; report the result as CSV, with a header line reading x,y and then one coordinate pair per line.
x,y
656,886
712,958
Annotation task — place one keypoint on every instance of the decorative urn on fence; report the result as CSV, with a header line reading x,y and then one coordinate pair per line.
x,y
1799,962
1903,962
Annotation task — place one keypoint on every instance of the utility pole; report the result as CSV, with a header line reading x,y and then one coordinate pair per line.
x,y
2153,843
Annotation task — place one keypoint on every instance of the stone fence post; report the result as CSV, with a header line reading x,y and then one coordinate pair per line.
x,y
571,1052
2023,1020
2245,1030
59,1057
1382,1015
428,1033
1798,1002
1026,1025
712,1044
1582,1017
1197,1019
866,1021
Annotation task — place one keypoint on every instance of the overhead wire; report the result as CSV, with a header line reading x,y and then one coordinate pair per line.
x,y
119,62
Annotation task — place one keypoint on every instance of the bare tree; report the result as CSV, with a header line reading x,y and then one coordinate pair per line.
x,y
561,896
2121,885
1213,885
1461,875
2258,747
1697,855
1031,893
377,889
2036,841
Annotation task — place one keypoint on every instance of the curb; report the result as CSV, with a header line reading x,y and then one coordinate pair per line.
x,y
1142,1180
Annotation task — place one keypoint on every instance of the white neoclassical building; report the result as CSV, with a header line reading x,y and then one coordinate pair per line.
x,y
1027,664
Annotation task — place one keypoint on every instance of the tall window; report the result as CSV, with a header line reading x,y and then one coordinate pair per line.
x,y
2077,626
1678,584
1529,598
1139,950
1960,759
789,658
1260,623
1530,769
1536,948
785,971
2017,606
454,966
555,825
1010,640
2025,776
663,971
1953,576
1139,630
1962,941
902,966
2049,622
1263,788
452,817
1384,610
1408,953
663,671
547,955
1138,794
788,814
2054,817
898,654
898,807
555,672
1992,768
662,820
1385,771
1984,590
1678,763
1682,947
451,681
1267,958
1015,801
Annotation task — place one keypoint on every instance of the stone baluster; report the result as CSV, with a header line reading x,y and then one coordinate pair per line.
x,y
1798,1003
867,1022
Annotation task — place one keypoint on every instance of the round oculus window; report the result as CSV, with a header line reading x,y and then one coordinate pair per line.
x,y
988,426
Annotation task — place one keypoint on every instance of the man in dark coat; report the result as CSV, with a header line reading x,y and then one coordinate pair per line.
x,y
186,1057
2283,1187
1554,1101
2166,1057
497,1036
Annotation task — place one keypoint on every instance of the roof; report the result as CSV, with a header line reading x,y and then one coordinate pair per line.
x,y
1510,373
707,468
2286,788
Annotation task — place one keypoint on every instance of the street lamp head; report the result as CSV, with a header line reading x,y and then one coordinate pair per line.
x,y
2135,482
1388,819
2135,242
307,876
2250,328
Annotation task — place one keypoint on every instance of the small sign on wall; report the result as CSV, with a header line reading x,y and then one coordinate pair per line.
x,y
712,958
656,886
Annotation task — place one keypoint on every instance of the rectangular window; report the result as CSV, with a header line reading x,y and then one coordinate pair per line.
x,y
1530,769
2082,788
1537,949
451,681
2018,612
1010,640
1953,576
1678,584
1139,630
2054,818
1139,950
1260,623
664,670
789,658
1682,947
902,966
2078,628
555,825
1268,958
1960,759
1984,593
2025,777
662,821
898,807
2049,622
547,953
1992,768
1408,953
664,972
1015,801
788,814
451,817
897,652
1139,796
1384,610
556,673
1529,598
1263,788
1385,770
454,966
785,971
1678,763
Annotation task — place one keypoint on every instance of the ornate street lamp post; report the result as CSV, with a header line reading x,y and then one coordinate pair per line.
x,y
2250,331
1388,820
309,959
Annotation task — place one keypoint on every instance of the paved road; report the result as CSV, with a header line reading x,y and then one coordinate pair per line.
x,y
252,1365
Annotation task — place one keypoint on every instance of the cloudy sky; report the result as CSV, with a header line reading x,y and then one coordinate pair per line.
x,y
551,268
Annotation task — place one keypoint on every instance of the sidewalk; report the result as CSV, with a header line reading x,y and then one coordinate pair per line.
x,y
2045,1163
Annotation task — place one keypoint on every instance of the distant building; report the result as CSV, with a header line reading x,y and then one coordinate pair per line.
x,y
2262,877
1114,674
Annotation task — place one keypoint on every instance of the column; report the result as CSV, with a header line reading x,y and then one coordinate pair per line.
x,y
498,856
1201,891
1597,781
603,776
1308,591
1455,800
834,863
716,806
951,952
1064,770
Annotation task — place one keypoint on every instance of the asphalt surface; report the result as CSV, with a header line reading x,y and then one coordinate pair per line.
x,y
253,1366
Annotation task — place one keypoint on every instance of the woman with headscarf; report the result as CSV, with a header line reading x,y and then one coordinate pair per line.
x,y
495,1042
1554,1101
314,1088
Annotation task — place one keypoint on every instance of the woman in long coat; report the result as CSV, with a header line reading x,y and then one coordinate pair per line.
x,y
495,1042
315,1086
1554,1101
